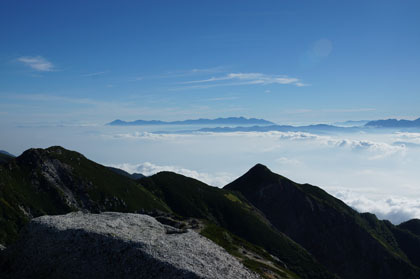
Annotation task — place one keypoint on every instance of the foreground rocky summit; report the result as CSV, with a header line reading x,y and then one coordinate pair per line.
x,y
115,245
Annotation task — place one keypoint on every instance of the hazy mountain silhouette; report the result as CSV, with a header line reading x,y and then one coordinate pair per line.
x,y
201,121
394,123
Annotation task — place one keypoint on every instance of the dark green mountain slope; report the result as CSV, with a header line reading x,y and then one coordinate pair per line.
x,y
5,157
350,244
408,242
191,198
57,181
412,225
253,218
252,256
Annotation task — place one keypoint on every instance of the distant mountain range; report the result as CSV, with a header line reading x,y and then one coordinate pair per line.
x,y
394,123
243,124
345,127
274,226
201,121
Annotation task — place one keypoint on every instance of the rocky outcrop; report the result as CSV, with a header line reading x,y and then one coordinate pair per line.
x,y
115,245
48,174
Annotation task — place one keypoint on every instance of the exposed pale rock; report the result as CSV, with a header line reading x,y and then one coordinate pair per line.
x,y
116,245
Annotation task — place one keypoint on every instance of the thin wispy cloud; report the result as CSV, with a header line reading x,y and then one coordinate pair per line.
x,y
330,110
53,98
94,74
222,98
233,79
183,73
37,63
349,110
301,84
207,70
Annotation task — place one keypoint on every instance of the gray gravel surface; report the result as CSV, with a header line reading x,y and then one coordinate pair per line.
x,y
115,245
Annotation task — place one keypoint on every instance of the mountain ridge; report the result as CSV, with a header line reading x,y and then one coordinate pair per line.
x,y
192,198
394,123
326,226
298,229
5,156
412,225
201,121
58,181
6,153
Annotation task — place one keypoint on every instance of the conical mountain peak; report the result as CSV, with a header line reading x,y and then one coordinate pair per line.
x,y
259,168
258,176
261,171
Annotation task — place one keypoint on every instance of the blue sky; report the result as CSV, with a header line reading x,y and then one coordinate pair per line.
x,y
287,61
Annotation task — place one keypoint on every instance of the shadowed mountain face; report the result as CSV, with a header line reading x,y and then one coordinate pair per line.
x,y
350,244
5,156
411,225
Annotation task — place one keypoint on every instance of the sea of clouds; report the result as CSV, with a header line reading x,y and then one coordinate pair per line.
x,y
370,171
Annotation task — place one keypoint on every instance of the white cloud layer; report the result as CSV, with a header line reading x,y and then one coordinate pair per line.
x,y
408,137
37,63
394,209
94,74
148,136
147,169
375,150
